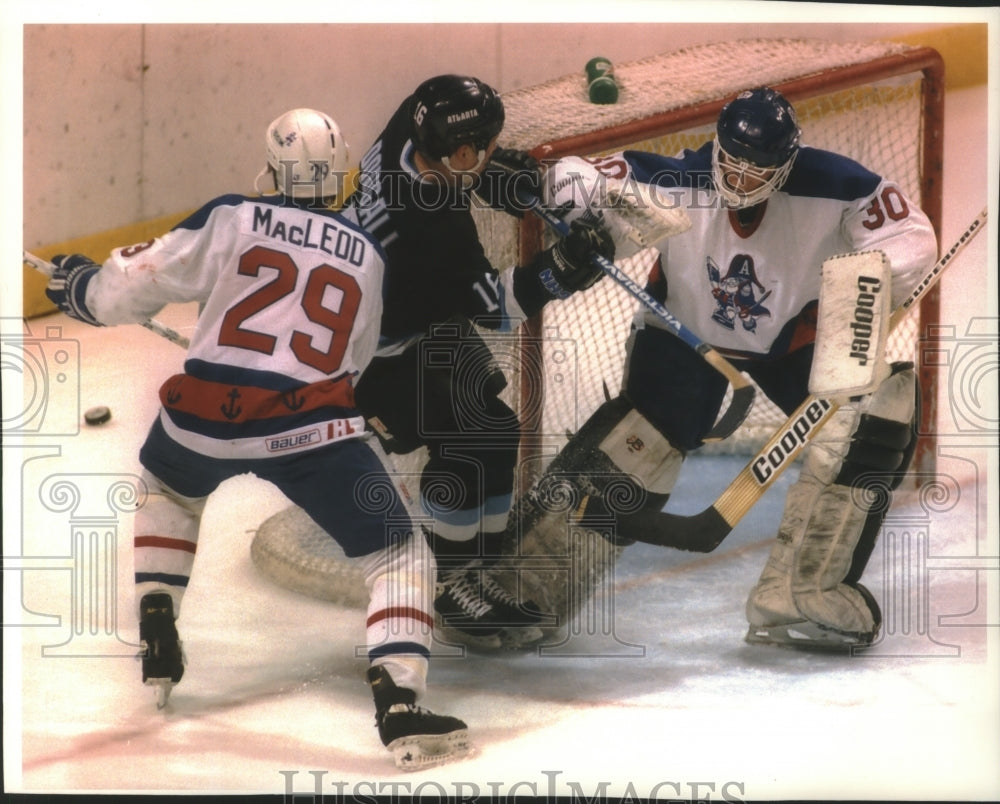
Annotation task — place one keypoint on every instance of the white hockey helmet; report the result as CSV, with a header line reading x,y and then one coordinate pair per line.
x,y
306,155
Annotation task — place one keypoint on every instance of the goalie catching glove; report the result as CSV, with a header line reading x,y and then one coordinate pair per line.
x,y
565,268
67,287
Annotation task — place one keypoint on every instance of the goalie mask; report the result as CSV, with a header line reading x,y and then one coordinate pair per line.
x,y
757,139
452,110
306,155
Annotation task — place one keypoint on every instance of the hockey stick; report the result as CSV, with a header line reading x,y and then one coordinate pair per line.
x,y
46,267
743,391
704,531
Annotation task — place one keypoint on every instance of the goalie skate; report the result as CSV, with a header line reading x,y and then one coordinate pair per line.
x,y
808,635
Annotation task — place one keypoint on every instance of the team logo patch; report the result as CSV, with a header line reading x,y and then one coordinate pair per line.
x,y
739,295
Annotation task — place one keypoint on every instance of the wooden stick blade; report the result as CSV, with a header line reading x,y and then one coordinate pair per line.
x,y
699,533
739,408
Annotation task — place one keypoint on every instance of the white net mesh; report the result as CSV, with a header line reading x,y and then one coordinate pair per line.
x,y
878,123
685,78
582,341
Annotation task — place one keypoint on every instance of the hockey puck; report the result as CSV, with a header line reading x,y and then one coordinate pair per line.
x,y
98,415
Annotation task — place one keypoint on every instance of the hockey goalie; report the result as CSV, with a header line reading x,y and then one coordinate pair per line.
x,y
793,261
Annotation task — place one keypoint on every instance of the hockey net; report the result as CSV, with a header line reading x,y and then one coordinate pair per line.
x,y
877,102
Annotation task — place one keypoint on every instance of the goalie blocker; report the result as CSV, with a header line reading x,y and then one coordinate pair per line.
x,y
852,326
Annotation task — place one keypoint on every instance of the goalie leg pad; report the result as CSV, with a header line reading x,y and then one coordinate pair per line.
x,y
582,507
617,466
822,562
883,438
637,448
800,598
831,520
649,467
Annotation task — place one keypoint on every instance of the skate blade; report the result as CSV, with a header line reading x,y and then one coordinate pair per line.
x,y
420,751
509,639
161,690
520,638
486,642
806,635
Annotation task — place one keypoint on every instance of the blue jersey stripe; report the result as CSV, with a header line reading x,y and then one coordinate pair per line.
x,y
161,577
397,649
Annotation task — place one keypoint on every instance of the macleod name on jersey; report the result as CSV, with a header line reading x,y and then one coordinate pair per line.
x,y
309,231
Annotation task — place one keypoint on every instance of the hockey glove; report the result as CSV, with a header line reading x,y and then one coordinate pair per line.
x,y
508,174
565,268
67,287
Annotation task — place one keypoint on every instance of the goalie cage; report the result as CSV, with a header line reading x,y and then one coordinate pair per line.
x,y
880,103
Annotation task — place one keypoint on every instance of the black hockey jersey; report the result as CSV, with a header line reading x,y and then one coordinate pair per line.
x,y
436,266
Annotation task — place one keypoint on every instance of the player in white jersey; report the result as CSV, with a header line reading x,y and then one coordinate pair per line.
x,y
292,300
766,212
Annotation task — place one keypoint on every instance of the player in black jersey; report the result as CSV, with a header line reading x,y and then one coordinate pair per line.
x,y
434,382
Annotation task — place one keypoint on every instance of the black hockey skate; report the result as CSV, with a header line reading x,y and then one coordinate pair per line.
x,y
162,657
483,612
416,737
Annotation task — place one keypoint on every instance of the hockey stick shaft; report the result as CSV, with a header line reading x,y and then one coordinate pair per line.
x,y
743,391
703,532
46,267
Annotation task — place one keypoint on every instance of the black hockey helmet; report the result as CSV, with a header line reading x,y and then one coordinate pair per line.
x,y
757,140
454,110
759,126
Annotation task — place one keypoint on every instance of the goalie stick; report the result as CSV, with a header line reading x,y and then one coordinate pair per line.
x,y
46,267
704,531
743,391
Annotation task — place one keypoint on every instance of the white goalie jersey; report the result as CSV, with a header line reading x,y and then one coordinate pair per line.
x,y
751,289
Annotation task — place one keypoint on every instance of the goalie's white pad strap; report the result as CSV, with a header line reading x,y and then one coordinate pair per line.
x,y
638,449
852,325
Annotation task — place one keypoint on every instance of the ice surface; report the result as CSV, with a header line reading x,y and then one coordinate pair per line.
x,y
670,702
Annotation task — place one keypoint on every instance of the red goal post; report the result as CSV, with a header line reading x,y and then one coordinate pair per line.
x,y
880,103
